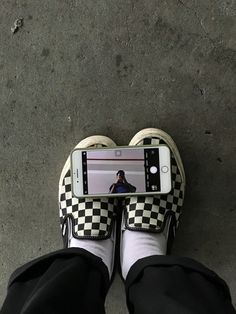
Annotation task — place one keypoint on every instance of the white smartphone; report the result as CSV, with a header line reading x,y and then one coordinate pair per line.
x,y
121,171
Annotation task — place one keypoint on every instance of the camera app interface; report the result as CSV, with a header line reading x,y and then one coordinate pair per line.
x,y
121,171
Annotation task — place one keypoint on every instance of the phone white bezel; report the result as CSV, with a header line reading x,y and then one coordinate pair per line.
x,y
76,171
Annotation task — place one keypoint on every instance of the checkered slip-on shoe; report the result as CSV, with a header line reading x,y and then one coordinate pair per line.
x,y
153,213
85,218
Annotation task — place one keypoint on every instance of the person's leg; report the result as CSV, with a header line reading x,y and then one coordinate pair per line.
x,y
150,222
76,278
156,283
173,285
88,223
67,281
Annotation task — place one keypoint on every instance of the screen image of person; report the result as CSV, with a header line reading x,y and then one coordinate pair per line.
x,y
121,185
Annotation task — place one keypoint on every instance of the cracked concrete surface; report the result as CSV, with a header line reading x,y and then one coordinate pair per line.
x,y
78,68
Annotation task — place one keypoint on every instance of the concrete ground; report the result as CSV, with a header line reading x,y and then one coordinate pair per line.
x,y
78,68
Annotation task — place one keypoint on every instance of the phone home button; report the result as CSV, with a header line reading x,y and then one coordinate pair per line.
x,y
164,169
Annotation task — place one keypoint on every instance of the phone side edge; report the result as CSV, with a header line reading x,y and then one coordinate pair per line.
x,y
76,164
165,160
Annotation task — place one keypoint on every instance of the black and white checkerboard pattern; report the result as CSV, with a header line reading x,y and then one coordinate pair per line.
x,y
149,213
92,217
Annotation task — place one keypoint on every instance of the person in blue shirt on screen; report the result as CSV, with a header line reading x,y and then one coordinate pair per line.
x,y
121,185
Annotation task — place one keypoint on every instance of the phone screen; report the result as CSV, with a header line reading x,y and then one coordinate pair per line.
x,y
121,171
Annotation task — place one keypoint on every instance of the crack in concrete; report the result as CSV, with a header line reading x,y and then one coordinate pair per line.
x,y
132,4
127,28
129,41
199,21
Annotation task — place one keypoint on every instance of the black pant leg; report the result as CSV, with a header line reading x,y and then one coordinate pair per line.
x,y
173,285
66,281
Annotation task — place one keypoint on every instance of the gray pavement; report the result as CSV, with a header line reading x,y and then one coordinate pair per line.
x,y
78,68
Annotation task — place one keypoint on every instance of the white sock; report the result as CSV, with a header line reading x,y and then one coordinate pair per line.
x,y
138,244
105,249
